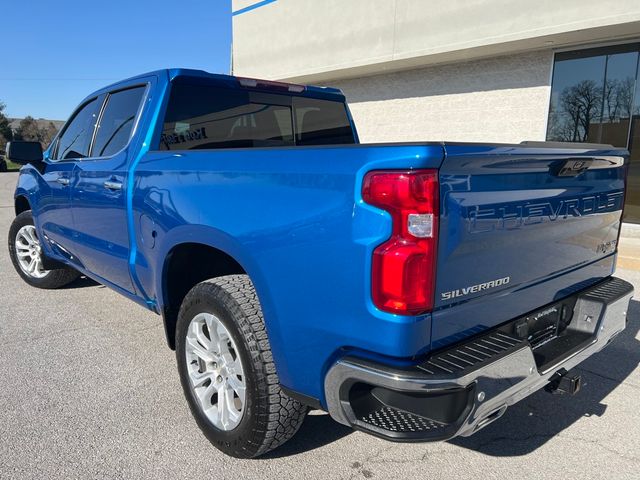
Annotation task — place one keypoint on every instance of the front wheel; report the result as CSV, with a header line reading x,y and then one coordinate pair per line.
x,y
227,370
26,255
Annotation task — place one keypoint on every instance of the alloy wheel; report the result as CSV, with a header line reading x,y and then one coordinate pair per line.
x,y
215,371
29,252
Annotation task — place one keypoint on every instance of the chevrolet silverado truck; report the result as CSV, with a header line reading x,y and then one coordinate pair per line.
x,y
414,291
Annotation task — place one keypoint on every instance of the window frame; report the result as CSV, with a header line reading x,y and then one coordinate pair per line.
x,y
571,53
595,50
55,144
104,99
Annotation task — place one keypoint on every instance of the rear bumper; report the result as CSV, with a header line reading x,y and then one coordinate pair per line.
x,y
458,391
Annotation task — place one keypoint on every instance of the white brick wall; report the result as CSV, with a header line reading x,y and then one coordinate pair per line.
x,y
500,99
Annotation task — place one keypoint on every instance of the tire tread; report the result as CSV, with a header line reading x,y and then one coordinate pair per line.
x,y
283,415
55,278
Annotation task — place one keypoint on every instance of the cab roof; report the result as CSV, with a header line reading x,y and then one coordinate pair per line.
x,y
200,76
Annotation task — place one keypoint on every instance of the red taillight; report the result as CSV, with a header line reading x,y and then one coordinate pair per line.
x,y
403,272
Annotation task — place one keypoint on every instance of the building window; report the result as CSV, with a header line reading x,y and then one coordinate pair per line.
x,y
595,97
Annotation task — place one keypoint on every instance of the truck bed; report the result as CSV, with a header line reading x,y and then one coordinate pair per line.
x,y
297,213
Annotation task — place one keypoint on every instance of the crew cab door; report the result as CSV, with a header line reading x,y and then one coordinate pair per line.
x,y
99,191
54,214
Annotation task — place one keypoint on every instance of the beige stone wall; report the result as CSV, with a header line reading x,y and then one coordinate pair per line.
x,y
502,99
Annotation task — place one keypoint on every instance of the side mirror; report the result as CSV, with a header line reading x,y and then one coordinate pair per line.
x,y
25,152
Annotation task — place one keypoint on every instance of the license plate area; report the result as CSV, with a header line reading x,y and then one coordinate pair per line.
x,y
551,331
544,325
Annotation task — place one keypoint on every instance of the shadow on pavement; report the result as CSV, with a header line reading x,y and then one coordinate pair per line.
x,y
317,431
82,282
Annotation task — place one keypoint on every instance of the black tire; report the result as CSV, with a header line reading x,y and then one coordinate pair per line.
x,y
270,417
54,278
3,165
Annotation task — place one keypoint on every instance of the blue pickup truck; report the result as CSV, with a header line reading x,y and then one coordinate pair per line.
x,y
412,290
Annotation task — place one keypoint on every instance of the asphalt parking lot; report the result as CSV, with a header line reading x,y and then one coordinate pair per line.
x,y
89,389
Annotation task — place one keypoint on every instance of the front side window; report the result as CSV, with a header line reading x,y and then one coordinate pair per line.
x,y
117,121
75,141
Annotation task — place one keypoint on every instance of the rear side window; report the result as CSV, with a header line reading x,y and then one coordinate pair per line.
x,y
321,122
76,138
117,121
209,117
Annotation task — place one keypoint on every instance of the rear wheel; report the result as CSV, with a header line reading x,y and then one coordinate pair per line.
x,y
26,255
227,370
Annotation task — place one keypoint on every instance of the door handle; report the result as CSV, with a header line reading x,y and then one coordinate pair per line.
x,y
111,185
64,181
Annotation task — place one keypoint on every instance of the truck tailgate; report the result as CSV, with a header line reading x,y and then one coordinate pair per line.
x,y
520,227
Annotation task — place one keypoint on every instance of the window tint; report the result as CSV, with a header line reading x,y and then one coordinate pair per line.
x,y
321,122
576,99
76,138
205,116
200,116
595,97
117,121
617,98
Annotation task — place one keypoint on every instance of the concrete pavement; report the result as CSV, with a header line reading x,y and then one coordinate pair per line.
x,y
88,389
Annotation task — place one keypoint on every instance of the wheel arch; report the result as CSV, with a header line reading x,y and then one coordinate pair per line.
x,y
21,204
185,265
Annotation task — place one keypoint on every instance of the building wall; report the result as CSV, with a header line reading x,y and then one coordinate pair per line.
x,y
311,41
501,99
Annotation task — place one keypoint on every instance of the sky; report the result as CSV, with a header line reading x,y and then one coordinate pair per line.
x,y
58,52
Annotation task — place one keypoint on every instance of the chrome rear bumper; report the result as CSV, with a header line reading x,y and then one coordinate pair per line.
x,y
463,389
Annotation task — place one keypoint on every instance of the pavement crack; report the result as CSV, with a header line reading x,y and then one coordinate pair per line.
x,y
547,436
55,334
611,379
598,444
155,326
526,438
361,466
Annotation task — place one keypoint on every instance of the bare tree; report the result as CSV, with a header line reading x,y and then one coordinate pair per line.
x,y
560,128
585,104
581,103
618,98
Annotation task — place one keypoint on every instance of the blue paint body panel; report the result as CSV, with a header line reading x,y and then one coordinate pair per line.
x,y
503,214
294,219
